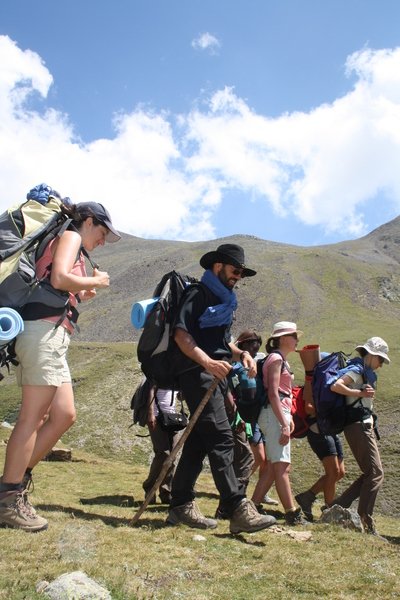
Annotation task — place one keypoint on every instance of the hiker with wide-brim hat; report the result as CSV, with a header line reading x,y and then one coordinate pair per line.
x,y
275,418
203,334
229,254
358,384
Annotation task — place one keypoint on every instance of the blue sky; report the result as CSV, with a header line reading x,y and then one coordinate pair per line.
x,y
200,119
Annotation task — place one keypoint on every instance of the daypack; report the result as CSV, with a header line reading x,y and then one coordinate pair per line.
x,y
244,390
298,412
160,358
330,407
250,394
140,402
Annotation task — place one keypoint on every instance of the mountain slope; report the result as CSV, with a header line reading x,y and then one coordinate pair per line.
x,y
315,286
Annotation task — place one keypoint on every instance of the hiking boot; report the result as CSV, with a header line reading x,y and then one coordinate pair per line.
x,y
220,513
15,513
247,519
370,528
305,500
268,500
190,515
28,487
294,517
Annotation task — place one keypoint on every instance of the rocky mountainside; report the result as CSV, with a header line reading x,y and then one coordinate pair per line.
x,y
321,287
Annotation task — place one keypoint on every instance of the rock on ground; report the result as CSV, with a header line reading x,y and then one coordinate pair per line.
x,y
346,517
76,585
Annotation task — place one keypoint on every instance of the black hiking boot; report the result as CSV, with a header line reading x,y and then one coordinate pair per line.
x,y
305,500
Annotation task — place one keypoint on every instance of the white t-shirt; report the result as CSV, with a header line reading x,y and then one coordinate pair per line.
x,y
164,400
357,384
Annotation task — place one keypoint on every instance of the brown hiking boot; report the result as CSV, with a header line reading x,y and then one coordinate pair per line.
x,y
189,514
28,487
15,513
247,519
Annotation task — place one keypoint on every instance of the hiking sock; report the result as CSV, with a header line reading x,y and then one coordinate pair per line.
x,y
10,487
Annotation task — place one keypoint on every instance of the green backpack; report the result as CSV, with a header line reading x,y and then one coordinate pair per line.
x,y
25,231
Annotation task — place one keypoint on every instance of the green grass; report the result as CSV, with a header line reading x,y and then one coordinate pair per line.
x,y
89,503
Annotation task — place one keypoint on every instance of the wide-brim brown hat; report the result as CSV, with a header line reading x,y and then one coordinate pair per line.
x,y
229,254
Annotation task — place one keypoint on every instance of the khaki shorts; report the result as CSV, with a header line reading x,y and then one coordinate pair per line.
x,y
271,428
42,354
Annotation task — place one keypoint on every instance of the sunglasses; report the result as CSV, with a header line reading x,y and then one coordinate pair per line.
x,y
252,341
293,335
235,271
381,360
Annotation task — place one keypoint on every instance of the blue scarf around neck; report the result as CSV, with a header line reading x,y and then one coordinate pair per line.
x,y
220,314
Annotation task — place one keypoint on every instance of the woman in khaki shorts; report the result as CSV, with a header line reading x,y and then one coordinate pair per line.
x,y
47,408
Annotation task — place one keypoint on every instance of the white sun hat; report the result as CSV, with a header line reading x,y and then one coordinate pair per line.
x,y
377,347
285,328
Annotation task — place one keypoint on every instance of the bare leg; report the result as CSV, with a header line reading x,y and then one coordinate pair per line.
x,y
36,401
61,417
334,470
264,483
282,484
260,460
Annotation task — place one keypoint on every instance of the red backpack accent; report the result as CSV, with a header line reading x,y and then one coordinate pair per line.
x,y
298,412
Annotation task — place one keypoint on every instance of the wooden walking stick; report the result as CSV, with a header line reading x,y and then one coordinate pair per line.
x,y
170,459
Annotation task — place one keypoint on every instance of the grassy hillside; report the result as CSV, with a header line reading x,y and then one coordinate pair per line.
x,y
339,295
325,289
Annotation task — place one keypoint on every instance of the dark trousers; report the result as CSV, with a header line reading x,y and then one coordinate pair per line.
x,y
363,444
163,442
211,436
243,458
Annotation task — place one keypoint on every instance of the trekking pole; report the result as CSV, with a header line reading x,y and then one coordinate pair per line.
x,y
170,459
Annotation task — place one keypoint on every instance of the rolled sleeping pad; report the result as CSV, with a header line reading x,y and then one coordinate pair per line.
x,y
11,324
140,311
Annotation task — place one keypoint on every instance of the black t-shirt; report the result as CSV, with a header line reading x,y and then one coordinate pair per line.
x,y
214,341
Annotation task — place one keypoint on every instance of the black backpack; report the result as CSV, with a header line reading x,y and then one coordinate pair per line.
x,y
140,402
160,358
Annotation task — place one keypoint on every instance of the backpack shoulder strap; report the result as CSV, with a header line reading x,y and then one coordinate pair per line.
x,y
284,363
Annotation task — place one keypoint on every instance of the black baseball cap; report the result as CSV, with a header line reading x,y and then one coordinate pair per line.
x,y
94,209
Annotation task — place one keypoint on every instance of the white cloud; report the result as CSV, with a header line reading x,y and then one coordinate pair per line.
x,y
137,174
164,176
206,41
322,166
